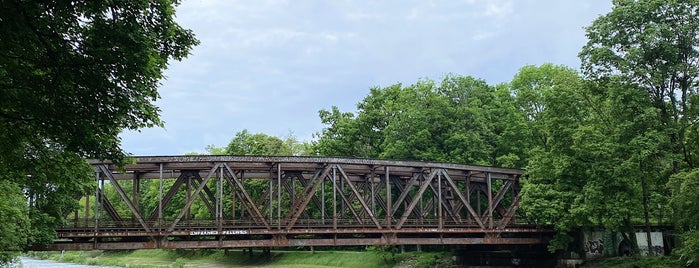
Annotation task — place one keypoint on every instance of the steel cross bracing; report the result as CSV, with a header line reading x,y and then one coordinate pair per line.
x,y
298,201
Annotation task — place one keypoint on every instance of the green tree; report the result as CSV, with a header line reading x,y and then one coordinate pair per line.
x,y
595,145
462,119
15,221
652,46
549,98
73,75
245,143
684,187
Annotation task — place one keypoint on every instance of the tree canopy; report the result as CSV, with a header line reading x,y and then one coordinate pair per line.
x,y
73,75
462,119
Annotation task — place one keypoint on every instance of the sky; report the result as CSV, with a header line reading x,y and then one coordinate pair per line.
x,y
269,66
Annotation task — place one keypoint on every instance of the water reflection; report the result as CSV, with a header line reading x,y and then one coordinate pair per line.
x,y
26,262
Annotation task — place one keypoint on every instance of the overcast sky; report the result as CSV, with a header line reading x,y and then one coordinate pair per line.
x,y
270,65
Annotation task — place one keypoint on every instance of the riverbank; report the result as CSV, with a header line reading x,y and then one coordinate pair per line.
x,y
639,262
238,258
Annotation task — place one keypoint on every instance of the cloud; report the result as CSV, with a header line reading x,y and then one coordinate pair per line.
x,y
269,66
498,9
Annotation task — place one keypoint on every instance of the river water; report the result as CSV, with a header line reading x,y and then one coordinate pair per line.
x,y
25,262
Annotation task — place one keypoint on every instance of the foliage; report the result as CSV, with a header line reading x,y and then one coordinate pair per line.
x,y
625,262
15,221
245,143
73,75
603,144
683,187
461,120
257,144
649,46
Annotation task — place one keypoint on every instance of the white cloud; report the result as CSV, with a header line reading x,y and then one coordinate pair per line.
x,y
269,66
498,9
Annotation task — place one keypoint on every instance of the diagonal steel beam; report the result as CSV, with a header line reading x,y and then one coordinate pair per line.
x,y
300,205
251,203
126,199
507,218
447,207
349,205
235,190
497,199
314,199
290,190
465,202
168,197
191,200
108,207
361,200
405,190
469,192
206,195
419,193
295,199
378,198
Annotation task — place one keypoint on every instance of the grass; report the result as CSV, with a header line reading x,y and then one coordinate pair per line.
x,y
637,262
221,258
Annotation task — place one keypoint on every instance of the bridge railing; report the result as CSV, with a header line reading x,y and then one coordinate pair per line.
x,y
164,225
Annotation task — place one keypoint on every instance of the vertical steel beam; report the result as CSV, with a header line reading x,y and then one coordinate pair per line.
x,y
279,196
137,191
160,199
498,199
271,203
322,202
98,203
188,195
219,199
389,209
87,208
233,202
334,198
439,205
490,201
373,192
444,204
342,194
468,193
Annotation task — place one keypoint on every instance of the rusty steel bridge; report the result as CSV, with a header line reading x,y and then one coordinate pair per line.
x,y
299,201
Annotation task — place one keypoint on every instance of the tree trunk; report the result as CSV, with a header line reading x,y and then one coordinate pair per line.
x,y
644,188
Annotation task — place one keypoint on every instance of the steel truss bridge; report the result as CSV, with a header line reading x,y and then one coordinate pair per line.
x,y
299,201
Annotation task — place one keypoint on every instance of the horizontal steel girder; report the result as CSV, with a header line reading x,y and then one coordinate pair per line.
x,y
293,242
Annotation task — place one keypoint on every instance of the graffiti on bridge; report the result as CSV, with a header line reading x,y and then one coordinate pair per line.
x,y
594,247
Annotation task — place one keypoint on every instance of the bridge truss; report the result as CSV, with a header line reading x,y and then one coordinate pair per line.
x,y
299,201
